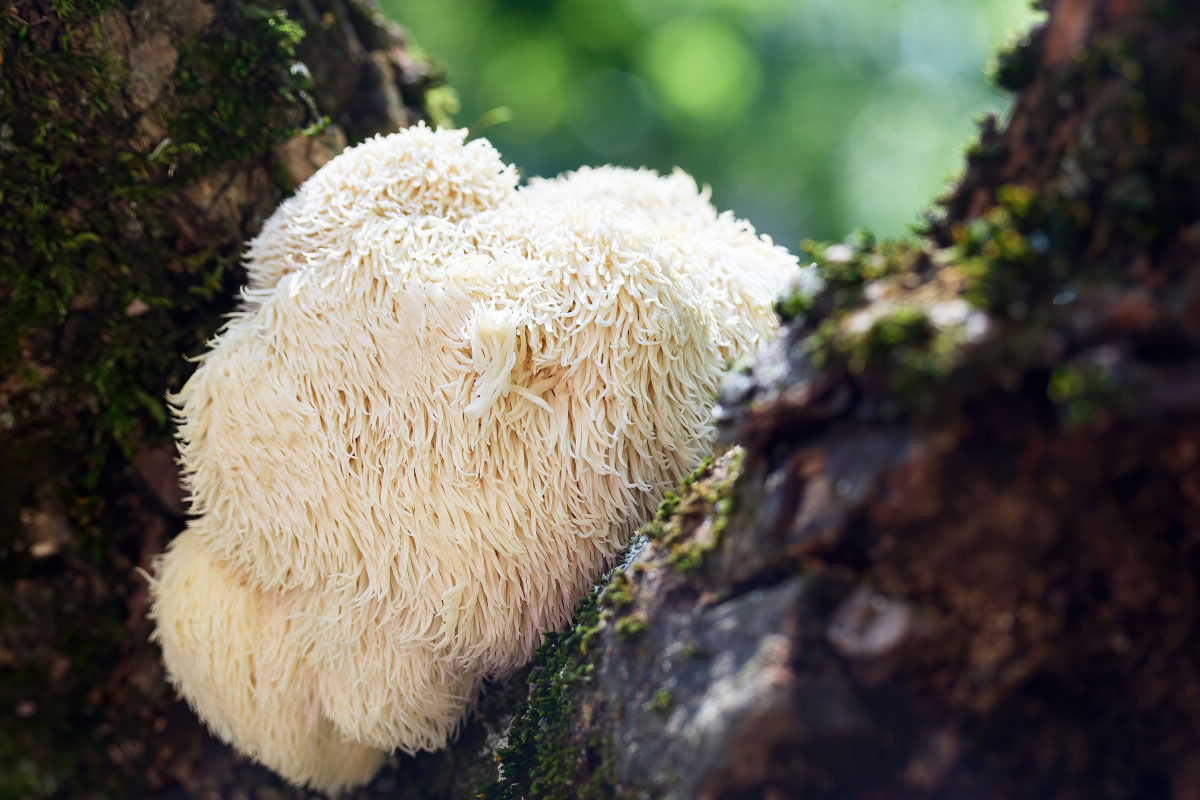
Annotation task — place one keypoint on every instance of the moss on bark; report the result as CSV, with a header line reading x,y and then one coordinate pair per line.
x,y
140,145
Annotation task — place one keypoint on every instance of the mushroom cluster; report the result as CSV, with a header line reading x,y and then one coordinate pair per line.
x,y
442,408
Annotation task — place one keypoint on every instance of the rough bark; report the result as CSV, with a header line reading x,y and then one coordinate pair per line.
x,y
953,554
140,145
956,553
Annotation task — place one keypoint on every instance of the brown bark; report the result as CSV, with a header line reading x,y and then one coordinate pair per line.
x,y
961,564
140,144
949,565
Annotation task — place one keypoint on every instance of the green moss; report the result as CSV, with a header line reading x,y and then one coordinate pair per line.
x,y
793,306
1120,199
660,702
1124,183
72,10
619,592
707,494
846,267
539,758
656,528
905,328
101,292
107,280
1015,66
1083,394
986,147
218,71
545,756
442,103
91,232
629,627
668,507
1021,251
695,475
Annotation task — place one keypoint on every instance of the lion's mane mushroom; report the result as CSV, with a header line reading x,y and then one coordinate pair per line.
x,y
439,414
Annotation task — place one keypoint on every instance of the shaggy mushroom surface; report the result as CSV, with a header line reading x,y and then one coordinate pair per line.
x,y
442,409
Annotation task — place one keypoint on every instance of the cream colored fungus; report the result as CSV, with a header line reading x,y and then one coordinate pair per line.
x,y
444,406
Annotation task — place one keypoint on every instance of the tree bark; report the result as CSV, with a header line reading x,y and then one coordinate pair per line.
x,y
953,551
956,552
141,143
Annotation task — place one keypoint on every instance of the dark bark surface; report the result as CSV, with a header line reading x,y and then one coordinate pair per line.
x,y
961,556
953,554
140,145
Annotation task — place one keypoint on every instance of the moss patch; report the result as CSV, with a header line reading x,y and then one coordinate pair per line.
x,y
546,755
105,287
660,702
689,525
135,157
539,758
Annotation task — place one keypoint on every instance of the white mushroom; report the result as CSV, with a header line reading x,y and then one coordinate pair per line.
x,y
443,408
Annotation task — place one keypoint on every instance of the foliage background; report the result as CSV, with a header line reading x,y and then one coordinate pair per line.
x,y
809,117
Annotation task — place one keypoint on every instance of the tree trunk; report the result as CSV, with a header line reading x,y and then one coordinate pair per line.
x,y
954,552
140,145
958,551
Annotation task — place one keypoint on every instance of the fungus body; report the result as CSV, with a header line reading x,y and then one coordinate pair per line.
x,y
442,409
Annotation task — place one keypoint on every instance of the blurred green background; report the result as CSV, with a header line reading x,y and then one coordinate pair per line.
x,y
808,117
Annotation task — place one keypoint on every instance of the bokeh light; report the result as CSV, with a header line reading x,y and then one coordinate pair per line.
x,y
705,72
809,117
